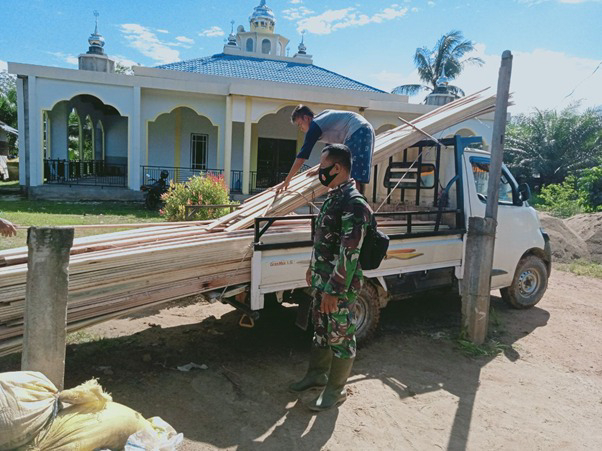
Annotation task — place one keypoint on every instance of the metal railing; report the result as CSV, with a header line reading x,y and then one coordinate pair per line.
x,y
84,172
257,183
177,174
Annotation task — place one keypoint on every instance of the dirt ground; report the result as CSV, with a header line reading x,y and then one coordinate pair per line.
x,y
411,387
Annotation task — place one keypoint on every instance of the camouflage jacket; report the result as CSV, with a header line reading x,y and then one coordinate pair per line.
x,y
340,229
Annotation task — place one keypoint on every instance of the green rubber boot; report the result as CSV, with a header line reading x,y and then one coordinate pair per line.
x,y
317,373
334,393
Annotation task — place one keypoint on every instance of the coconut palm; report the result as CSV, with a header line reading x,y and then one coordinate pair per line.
x,y
447,54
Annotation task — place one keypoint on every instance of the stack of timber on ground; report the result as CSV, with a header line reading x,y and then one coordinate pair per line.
x,y
114,274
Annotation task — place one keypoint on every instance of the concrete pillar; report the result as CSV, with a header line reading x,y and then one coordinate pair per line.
x,y
134,150
228,142
22,112
246,155
36,159
58,117
46,302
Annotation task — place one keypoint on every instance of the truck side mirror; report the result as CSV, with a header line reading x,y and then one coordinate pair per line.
x,y
524,192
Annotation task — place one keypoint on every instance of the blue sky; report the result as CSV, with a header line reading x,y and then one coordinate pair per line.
x,y
557,43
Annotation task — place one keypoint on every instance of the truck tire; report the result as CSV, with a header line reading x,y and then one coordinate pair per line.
x,y
367,313
529,283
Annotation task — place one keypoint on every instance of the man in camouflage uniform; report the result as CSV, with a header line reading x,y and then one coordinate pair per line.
x,y
336,275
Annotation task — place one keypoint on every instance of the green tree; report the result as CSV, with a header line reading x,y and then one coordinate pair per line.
x,y
551,145
448,53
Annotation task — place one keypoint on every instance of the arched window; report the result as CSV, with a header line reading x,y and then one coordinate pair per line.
x,y
249,44
74,135
46,134
266,46
88,139
99,141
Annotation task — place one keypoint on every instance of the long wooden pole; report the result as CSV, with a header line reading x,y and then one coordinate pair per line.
x,y
481,231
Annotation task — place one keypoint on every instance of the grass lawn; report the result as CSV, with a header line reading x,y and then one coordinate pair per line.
x,y
48,213
582,268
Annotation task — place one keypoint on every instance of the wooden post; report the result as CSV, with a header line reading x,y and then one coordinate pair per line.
x,y
46,302
480,241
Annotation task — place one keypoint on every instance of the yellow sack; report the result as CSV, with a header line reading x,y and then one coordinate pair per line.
x,y
87,427
27,402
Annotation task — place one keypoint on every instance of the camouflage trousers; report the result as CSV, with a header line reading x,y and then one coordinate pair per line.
x,y
335,330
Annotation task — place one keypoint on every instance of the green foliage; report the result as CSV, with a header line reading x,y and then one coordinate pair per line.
x,y
73,126
561,199
543,148
8,109
590,189
209,190
448,53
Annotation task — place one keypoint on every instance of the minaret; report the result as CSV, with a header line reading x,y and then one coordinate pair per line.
x,y
302,49
95,58
441,95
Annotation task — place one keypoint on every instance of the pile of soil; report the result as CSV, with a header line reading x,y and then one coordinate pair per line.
x,y
578,237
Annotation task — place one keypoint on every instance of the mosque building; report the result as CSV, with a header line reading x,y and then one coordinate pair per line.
x,y
94,133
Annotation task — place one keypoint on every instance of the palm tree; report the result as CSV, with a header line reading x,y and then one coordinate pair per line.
x,y
551,145
446,55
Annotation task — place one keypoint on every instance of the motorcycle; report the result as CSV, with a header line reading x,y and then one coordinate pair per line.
x,y
154,191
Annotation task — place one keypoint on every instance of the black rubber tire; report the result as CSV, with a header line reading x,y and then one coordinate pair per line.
x,y
367,311
151,202
529,284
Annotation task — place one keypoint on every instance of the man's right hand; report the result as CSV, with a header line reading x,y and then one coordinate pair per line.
x,y
7,229
283,186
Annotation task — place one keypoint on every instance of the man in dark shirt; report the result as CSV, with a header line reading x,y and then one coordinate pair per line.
x,y
334,127
337,277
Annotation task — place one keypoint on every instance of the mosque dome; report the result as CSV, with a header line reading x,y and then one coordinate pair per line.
x,y
262,19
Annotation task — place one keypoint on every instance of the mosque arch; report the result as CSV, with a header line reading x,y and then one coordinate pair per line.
x,y
249,45
383,128
197,112
93,99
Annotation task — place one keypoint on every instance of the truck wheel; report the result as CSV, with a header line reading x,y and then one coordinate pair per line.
x,y
367,312
529,283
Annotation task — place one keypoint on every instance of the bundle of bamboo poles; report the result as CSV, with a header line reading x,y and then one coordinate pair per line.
x,y
115,274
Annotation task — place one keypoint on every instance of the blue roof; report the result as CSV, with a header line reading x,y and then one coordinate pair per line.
x,y
269,70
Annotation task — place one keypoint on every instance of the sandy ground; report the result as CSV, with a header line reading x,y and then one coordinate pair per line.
x,y
411,387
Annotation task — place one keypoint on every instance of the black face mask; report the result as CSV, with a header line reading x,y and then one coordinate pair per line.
x,y
324,175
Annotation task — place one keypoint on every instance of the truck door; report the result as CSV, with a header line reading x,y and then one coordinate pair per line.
x,y
518,228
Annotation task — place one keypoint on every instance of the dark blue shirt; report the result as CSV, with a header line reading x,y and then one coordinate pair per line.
x,y
311,138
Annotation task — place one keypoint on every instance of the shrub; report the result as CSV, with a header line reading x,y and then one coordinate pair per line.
x,y
590,189
561,199
198,190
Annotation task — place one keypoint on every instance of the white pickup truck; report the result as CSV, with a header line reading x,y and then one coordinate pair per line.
x,y
426,217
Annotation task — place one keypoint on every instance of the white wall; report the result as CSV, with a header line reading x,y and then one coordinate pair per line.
x,y
162,138
116,139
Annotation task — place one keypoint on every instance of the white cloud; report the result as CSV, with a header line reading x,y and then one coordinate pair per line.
x,y
430,3
296,13
65,57
185,40
212,32
540,79
145,41
124,61
162,31
3,65
295,2
332,20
